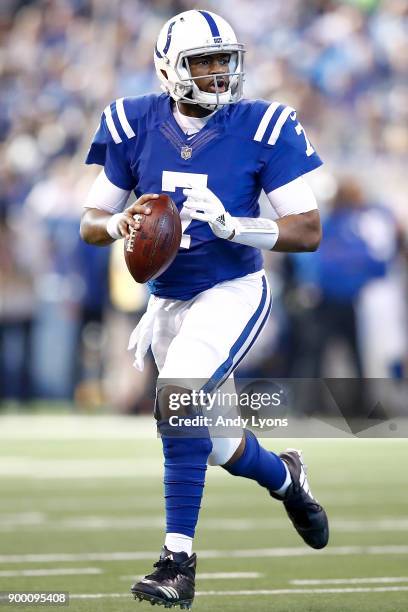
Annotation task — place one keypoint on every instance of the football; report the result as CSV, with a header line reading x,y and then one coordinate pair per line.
x,y
150,250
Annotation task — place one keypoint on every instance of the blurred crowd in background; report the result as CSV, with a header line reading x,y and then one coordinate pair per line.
x,y
66,309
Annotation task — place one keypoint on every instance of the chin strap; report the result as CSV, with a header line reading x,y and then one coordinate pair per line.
x,y
207,106
203,205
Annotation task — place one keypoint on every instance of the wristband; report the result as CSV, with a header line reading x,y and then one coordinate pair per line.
x,y
260,233
112,226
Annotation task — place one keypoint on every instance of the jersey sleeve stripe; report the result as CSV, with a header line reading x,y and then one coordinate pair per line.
x,y
111,126
279,124
270,111
127,128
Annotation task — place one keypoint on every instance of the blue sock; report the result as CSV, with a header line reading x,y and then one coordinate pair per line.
x,y
185,465
259,464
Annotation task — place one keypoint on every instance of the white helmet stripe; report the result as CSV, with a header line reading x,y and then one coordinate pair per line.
x,y
123,119
270,111
279,124
111,125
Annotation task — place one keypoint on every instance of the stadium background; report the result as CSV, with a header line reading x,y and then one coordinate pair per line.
x,y
84,487
66,309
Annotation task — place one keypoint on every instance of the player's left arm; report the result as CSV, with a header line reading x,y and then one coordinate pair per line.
x,y
296,225
299,233
284,158
298,219
297,230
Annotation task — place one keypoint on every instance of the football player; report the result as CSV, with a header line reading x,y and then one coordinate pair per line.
x,y
213,152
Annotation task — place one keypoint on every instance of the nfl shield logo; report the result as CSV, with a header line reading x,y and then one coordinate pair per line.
x,y
186,152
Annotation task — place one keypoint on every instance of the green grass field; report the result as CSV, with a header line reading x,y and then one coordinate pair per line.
x,y
81,511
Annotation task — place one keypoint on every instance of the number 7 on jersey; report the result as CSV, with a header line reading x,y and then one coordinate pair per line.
x,y
170,182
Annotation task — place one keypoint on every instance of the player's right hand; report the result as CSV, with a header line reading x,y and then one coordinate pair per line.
x,y
128,221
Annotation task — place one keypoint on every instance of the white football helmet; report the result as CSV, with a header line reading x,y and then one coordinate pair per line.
x,y
198,33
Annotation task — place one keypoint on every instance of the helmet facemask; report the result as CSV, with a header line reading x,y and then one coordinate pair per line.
x,y
190,92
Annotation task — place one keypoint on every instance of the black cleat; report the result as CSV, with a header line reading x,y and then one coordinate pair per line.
x,y
173,582
306,514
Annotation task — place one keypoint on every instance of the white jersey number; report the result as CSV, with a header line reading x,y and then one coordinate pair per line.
x,y
172,180
301,130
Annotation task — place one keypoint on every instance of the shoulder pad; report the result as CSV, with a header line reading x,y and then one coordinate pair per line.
x,y
262,121
123,115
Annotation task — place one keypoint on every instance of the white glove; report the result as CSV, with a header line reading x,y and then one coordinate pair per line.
x,y
204,205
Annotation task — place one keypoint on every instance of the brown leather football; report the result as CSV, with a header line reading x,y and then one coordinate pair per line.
x,y
150,250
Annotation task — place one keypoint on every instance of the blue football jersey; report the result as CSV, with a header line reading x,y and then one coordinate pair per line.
x,y
242,149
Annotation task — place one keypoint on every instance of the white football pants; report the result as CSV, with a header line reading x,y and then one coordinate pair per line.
x,y
203,340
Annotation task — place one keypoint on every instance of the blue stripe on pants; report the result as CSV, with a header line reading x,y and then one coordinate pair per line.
x,y
223,371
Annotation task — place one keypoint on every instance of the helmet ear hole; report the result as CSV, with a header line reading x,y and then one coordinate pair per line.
x,y
164,73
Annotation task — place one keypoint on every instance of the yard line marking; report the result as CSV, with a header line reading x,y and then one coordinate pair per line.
x,y
304,591
77,469
380,524
96,595
233,575
39,521
62,571
76,427
22,519
212,576
257,592
295,551
379,580
84,469
299,551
